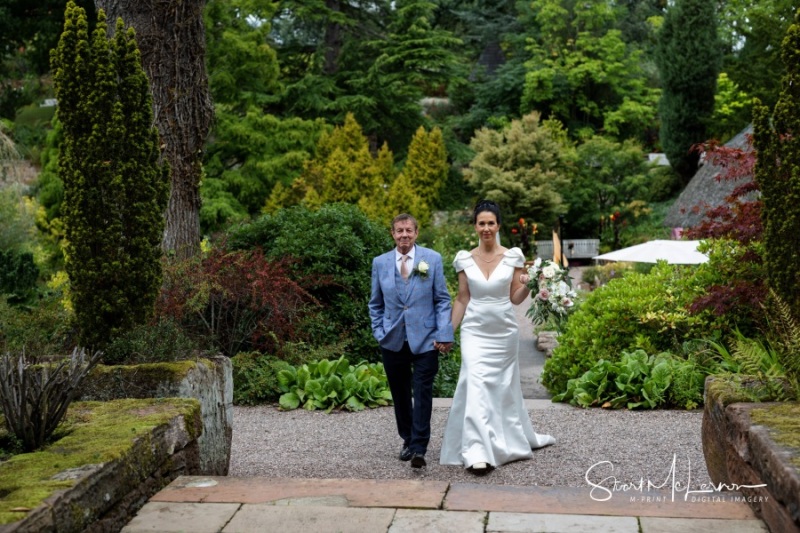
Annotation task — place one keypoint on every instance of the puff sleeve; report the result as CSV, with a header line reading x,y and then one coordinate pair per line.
x,y
514,257
463,260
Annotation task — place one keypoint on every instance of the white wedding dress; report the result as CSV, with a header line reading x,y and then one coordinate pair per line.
x,y
488,421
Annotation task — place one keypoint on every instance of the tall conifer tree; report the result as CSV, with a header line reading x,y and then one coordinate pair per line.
x,y
689,57
777,173
115,189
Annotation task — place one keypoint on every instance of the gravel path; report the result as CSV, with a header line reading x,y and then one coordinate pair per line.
x,y
365,445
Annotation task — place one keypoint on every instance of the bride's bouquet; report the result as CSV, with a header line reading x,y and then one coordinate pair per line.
x,y
551,292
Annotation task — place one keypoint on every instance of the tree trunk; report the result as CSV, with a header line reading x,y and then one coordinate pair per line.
x,y
171,37
333,40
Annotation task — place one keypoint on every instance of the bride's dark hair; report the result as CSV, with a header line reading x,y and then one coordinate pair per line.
x,y
486,205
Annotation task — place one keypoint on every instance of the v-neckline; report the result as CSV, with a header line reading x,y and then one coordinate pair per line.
x,y
487,278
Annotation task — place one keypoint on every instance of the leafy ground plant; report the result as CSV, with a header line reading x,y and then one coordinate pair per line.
x,y
330,384
636,380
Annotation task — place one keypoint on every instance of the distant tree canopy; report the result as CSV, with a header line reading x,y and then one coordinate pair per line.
x,y
609,176
688,54
31,29
584,74
752,33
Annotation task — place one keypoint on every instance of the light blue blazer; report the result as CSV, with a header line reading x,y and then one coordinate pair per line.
x,y
422,317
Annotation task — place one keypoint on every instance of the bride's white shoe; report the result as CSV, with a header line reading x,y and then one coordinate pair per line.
x,y
480,466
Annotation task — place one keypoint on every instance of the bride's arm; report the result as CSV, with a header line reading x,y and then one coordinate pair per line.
x,y
461,301
519,287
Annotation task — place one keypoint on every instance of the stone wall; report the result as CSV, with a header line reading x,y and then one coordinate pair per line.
x,y
209,380
739,452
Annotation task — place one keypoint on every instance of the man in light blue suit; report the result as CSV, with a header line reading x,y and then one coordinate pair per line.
x,y
410,312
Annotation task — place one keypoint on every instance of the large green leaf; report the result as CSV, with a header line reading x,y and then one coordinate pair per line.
x,y
289,401
354,404
303,375
286,378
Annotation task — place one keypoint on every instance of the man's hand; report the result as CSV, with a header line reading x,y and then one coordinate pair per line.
x,y
443,347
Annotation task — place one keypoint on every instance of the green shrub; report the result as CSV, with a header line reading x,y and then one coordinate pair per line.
x,y
18,276
255,378
43,329
688,382
330,384
645,311
453,233
331,250
160,342
444,385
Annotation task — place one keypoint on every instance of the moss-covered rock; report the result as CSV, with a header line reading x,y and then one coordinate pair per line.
x,y
103,451
209,380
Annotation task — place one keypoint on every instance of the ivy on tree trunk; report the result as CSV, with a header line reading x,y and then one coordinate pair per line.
x,y
171,38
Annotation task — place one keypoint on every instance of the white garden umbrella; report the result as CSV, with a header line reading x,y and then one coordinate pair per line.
x,y
673,252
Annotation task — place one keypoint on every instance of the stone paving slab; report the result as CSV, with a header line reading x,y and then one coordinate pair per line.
x,y
357,492
560,523
261,518
169,517
573,500
416,521
699,525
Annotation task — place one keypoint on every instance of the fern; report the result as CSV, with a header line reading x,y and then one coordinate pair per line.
x,y
787,333
756,358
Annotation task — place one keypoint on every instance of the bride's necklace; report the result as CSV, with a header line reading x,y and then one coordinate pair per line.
x,y
492,260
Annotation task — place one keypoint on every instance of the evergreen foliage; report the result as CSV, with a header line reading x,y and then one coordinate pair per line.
x,y
252,154
777,172
245,68
689,57
344,170
415,60
525,167
115,188
417,188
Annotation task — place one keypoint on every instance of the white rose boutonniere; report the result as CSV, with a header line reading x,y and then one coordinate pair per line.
x,y
421,269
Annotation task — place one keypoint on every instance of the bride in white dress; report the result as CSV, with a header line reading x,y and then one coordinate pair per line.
x,y
488,424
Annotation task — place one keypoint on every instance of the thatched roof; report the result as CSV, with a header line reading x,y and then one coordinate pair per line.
x,y
704,190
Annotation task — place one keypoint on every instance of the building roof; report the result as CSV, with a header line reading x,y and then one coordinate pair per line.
x,y
704,191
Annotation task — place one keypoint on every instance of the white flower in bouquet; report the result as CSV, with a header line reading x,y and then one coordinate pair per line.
x,y
549,271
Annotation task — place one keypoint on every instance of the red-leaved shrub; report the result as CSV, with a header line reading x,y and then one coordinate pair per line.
x,y
739,219
236,301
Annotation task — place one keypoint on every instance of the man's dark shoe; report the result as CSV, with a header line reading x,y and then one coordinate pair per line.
x,y
418,461
406,454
